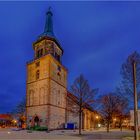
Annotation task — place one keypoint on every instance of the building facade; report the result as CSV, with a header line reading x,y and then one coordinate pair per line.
x,y
90,118
46,85
46,81
132,118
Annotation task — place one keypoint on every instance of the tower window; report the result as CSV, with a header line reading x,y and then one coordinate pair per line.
x,y
59,99
37,64
59,76
39,53
59,68
37,74
57,57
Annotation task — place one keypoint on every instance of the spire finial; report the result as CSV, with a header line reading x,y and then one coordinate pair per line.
x,y
49,10
49,23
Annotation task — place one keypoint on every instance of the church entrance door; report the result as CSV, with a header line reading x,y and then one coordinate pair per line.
x,y
36,121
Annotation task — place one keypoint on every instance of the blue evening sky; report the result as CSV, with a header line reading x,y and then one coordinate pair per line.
x,y
96,37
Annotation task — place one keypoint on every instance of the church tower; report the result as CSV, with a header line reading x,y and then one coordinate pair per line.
x,y
46,85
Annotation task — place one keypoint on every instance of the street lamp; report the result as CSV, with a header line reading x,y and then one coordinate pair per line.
x,y
97,117
114,122
115,119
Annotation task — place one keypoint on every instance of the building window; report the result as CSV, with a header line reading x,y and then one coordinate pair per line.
x,y
31,97
37,64
58,99
37,74
59,76
39,53
57,57
42,96
58,68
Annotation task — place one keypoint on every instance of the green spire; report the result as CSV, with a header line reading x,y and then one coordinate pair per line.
x,y
48,30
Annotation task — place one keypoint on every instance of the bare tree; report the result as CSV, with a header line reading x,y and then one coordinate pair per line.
x,y
84,94
20,108
121,110
130,84
108,108
126,88
19,112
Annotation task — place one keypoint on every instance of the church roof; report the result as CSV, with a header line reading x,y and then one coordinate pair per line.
x,y
75,99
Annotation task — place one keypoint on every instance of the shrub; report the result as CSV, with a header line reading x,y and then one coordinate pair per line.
x,y
43,128
38,128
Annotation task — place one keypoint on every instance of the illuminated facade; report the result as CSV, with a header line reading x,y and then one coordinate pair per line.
x,y
46,85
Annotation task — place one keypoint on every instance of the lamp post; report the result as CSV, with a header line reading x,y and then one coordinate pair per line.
x,y
114,122
136,133
97,118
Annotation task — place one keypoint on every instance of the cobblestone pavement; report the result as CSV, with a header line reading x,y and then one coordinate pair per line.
x,y
8,134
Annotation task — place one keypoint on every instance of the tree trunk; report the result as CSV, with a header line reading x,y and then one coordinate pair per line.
x,y
121,124
108,126
80,112
121,128
80,122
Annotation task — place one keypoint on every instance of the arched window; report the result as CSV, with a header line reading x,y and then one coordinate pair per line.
x,y
39,53
37,74
58,100
31,97
42,96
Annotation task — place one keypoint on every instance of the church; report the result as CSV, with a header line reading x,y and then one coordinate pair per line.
x,y
48,103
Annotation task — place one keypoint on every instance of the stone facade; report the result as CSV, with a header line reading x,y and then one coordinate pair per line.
x,y
46,94
88,115
47,100
132,118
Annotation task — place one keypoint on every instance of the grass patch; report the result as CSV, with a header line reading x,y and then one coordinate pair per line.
x,y
38,128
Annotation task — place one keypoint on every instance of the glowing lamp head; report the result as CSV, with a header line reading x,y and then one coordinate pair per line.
x,y
15,121
114,119
97,117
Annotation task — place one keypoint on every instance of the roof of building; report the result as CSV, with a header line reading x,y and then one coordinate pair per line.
x,y
5,116
75,99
